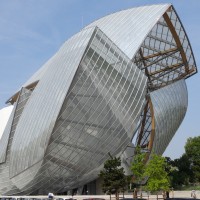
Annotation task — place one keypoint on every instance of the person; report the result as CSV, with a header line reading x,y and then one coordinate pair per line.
x,y
164,194
193,194
172,192
135,193
50,195
167,194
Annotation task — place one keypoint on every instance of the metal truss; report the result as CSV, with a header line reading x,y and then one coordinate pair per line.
x,y
163,56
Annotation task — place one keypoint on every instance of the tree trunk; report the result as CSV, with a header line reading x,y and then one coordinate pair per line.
x,y
135,193
141,191
117,195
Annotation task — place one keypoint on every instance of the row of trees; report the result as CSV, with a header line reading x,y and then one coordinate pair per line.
x,y
157,174
186,169
153,174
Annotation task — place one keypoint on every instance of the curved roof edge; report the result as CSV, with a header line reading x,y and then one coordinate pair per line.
x,y
187,40
130,27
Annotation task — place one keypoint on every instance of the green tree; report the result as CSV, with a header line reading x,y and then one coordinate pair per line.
x,y
192,150
183,174
157,176
179,171
171,170
114,179
138,167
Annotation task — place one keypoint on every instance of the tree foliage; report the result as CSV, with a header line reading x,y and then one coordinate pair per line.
x,y
182,174
187,167
138,166
114,179
182,171
192,150
156,173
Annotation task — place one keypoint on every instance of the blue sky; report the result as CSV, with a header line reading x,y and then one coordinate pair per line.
x,y
32,31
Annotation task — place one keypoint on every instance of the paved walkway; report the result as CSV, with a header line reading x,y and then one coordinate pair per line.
x,y
176,194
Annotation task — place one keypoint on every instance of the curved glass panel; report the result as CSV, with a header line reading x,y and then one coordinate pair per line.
x,y
99,115
38,118
128,28
170,105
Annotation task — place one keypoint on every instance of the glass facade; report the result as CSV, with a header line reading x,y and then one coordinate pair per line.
x,y
120,78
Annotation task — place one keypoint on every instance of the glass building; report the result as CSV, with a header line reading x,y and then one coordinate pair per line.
x,y
116,84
